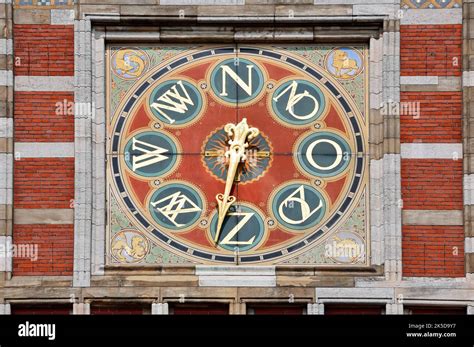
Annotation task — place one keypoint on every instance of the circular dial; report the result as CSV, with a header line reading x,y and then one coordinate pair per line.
x,y
302,173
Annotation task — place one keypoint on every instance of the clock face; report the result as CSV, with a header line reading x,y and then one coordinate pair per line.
x,y
301,192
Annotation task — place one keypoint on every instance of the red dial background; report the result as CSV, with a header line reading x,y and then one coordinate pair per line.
x,y
258,113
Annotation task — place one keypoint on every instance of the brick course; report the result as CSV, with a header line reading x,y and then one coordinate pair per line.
x,y
44,50
433,251
430,50
432,184
439,119
43,183
37,119
55,250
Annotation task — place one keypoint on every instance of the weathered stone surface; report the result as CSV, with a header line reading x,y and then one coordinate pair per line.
x,y
314,281
165,11
62,17
159,308
159,281
430,17
81,308
432,217
44,216
96,8
200,292
469,245
354,293
443,84
202,2
279,2
431,150
119,2
29,16
44,83
236,11
470,262
315,10
44,149
277,293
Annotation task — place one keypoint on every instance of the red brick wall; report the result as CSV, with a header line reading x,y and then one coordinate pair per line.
x,y
430,50
43,182
44,50
433,251
37,119
55,249
432,184
439,119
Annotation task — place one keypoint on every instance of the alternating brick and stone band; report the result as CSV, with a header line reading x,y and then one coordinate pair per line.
x,y
44,141
468,132
431,143
6,138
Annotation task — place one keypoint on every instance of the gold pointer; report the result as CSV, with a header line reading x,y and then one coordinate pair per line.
x,y
239,135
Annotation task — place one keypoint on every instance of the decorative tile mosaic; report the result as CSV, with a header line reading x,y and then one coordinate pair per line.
x,y
431,4
44,3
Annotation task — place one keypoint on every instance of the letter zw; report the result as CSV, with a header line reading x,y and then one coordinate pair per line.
x,y
173,100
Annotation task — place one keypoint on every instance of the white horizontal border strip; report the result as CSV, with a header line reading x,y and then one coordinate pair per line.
x,y
469,245
44,150
237,281
419,80
44,83
236,276
431,151
22,216
62,17
352,2
468,189
432,217
6,178
202,2
468,78
429,16
6,127
6,78
6,46
355,293
206,270
5,253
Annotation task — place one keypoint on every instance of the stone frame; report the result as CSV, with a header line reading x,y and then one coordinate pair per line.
x,y
93,32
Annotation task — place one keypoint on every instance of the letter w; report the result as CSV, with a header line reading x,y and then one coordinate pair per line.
x,y
173,100
148,157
